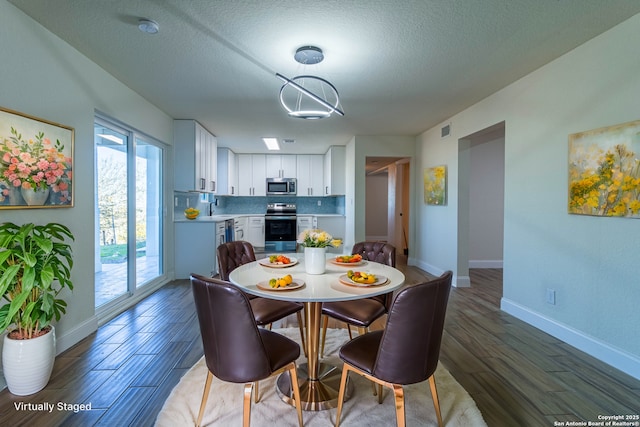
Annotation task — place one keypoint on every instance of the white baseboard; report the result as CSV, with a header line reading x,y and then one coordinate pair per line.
x,y
458,281
627,363
481,263
76,334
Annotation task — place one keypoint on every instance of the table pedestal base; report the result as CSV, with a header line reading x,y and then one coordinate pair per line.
x,y
318,394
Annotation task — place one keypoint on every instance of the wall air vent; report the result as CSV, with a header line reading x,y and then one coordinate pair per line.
x,y
445,131
288,141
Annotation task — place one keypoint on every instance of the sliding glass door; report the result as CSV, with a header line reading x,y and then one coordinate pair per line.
x,y
128,212
148,212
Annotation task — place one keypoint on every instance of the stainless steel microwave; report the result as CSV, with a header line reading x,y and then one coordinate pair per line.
x,y
282,186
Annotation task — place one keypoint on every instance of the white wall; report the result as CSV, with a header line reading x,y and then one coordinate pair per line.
x,y
44,77
591,262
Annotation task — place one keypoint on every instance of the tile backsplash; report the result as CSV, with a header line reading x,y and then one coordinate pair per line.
x,y
223,205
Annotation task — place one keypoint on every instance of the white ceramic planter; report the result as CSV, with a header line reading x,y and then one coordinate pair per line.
x,y
27,364
315,260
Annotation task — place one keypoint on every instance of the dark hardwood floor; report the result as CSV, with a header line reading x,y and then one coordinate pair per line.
x,y
517,375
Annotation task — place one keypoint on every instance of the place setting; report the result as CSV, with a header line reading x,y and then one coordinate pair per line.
x,y
278,261
278,284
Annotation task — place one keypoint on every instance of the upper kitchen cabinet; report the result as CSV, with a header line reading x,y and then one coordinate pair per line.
x,y
252,176
195,154
281,166
310,175
334,171
227,173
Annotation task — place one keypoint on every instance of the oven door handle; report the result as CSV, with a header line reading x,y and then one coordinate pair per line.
x,y
278,217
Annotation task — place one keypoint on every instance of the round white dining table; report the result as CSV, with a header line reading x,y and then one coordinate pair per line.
x,y
319,382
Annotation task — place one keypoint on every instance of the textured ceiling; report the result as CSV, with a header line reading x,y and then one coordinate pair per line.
x,y
401,67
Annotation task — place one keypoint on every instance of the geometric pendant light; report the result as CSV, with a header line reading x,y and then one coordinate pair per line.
x,y
307,96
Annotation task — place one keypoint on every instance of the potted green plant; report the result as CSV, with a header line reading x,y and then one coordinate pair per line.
x,y
35,266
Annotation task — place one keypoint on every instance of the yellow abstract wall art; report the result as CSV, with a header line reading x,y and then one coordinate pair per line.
x,y
435,185
604,171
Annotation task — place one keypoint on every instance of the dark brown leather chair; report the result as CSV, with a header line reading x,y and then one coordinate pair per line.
x,y
363,312
232,255
407,350
235,349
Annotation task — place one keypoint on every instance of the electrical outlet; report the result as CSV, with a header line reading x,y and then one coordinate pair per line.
x,y
551,296
319,202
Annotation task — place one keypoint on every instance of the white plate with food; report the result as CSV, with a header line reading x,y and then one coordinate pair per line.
x,y
363,279
278,261
266,286
348,260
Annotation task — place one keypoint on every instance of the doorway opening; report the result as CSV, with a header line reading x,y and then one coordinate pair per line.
x,y
387,201
481,200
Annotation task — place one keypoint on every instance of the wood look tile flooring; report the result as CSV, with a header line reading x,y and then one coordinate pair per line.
x,y
517,375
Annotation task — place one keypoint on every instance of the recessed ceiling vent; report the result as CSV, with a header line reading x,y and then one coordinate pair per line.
x,y
445,131
288,141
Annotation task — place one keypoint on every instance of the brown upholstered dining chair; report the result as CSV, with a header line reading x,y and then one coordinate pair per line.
x,y
232,255
363,312
407,350
235,349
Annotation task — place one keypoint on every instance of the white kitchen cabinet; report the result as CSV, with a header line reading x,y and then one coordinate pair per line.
x,y
252,177
334,171
310,175
255,231
240,228
334,225
195,157
305,222
281,166
195,250
227,173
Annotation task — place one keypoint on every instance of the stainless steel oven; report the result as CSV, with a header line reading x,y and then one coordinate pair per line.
x,y
280,227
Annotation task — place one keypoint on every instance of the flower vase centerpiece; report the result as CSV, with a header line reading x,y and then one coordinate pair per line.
x,y
315,243
36,167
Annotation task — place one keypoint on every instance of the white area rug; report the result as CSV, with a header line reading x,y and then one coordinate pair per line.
x,y
224,407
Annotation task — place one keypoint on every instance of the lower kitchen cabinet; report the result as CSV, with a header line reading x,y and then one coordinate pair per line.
x,y
254,233
195,250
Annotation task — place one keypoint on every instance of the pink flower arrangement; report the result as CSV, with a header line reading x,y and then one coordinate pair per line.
x,y
34,164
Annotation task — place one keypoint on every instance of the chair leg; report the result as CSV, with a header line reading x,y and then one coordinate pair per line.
x,y
434,396
343,386
205,396
301,326
293,376
379,393
398,394
246,407
325,324
256,393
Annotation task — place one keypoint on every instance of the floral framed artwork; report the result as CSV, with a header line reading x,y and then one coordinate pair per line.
x,y
36,162
435,185
604,171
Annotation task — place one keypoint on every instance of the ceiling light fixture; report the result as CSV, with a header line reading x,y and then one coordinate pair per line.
x,y
300,95
271,143
148,26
